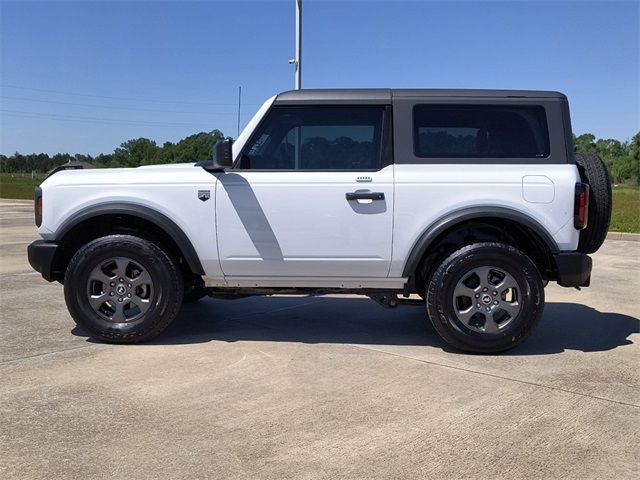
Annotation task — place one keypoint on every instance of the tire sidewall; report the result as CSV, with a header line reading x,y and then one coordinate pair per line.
x,y
440,296
595,173
165,286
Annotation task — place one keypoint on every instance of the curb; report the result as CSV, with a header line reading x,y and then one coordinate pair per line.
x,y
16,200
630,237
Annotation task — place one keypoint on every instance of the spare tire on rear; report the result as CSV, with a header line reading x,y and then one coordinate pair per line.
x,y
594,172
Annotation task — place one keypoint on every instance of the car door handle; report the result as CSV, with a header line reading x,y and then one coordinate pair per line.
x,y
365,196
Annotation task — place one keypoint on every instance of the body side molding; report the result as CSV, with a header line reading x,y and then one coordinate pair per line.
x,y
121,208
444,223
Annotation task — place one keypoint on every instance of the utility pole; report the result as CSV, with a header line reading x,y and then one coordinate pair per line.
x,y
297,61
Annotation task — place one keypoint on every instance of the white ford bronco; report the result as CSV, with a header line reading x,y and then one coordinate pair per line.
x,y
472,199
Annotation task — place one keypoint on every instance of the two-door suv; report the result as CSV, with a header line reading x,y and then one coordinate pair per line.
x,y
472,199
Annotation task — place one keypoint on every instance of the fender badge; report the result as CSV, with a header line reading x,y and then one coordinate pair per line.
x,y
204,195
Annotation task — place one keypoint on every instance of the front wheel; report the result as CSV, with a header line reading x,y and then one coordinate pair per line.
x,y
123,289
485,298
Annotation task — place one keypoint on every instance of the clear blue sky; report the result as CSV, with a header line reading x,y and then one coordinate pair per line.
x,y
94,74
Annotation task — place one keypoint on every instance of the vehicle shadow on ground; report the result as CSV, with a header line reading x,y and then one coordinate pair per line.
x,y
564,326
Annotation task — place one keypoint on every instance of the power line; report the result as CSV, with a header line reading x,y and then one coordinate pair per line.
x,y
107,121
128,99
113,107
102,122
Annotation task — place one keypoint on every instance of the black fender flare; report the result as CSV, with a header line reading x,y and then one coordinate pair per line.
x,y
452,219
146,213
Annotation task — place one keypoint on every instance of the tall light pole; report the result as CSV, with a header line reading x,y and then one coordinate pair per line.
x,y
297,61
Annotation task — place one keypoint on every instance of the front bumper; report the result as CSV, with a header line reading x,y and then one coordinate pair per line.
x,y
41,256
573,269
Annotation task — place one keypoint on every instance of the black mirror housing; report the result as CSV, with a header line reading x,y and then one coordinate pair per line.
x,y
222,155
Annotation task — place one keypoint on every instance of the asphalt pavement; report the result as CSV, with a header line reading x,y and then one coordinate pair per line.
x,y
317,387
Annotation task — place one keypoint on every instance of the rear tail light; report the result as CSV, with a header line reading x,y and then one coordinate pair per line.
x,y
37,206
581,206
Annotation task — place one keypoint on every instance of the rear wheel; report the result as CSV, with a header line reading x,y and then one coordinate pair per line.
x,y
485,298
122,289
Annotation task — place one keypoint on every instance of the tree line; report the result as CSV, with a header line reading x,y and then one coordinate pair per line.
x,y
132,153
622,158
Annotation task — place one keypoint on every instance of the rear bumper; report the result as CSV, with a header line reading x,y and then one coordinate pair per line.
x,y
573,269
41,255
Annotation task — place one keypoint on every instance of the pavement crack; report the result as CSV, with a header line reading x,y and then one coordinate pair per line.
x,y
14,360
280,309
501,377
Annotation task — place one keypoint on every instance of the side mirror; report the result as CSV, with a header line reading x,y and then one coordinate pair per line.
x,y
222,155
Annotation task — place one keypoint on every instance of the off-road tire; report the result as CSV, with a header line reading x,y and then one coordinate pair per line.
x,y
163,303
447,276
594,172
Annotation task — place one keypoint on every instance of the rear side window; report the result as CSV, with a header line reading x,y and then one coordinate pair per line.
x,y
480,131
317,138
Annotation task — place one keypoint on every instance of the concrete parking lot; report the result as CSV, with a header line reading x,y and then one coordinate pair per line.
x,y
314,388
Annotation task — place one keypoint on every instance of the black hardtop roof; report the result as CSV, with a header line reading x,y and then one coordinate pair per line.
x,y
370,95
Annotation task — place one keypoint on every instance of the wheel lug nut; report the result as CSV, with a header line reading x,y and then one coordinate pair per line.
x,y
477,295
119,299
129,295
478,305
488,309
113,284
121,279
495,303
485,289
130,286
495,293
111,294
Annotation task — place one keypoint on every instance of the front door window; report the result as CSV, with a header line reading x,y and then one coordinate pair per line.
x,y
317,138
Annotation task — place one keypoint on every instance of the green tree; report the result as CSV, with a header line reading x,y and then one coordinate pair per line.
x,y
620,157
195,148
103,160
167,153
58,159
133,153
634,155
585,143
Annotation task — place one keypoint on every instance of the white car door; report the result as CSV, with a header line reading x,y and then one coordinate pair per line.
x,y
313,196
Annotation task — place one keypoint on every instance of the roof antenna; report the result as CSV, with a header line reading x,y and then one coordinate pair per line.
x,y
239,103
